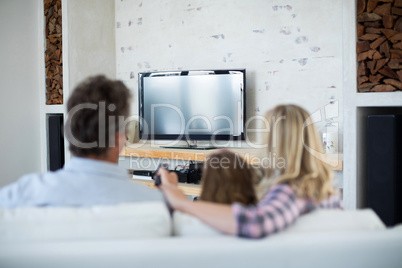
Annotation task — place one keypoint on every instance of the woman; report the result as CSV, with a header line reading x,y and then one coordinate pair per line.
x,y
300,184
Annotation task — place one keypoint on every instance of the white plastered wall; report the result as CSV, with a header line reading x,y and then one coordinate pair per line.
x,y
91,41
292,49
20,52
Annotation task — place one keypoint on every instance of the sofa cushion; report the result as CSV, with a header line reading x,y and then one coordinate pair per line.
x,y
321,220
187,225
123,221
397,228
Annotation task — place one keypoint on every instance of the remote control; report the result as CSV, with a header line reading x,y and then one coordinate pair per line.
x,y
156,177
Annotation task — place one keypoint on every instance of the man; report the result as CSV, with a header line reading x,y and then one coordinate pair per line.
x,y
96,131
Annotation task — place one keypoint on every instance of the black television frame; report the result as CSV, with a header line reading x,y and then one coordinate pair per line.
x,y
188,137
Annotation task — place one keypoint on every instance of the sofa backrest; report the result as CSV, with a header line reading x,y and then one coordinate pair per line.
x,y
123,221
148,220
320,220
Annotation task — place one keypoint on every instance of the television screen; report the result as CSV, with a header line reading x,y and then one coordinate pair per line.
x,y
192,105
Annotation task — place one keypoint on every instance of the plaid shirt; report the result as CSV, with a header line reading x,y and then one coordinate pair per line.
x,y
279,209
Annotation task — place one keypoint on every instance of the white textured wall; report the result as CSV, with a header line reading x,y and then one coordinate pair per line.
x,y
91,42
20,52
292,49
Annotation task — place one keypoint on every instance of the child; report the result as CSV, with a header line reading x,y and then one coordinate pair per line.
x,y
227,178
300,184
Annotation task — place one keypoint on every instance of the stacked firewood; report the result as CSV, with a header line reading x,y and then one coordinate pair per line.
x,y
379,45
54,55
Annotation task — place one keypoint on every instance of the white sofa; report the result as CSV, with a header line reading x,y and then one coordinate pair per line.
x,y
144,235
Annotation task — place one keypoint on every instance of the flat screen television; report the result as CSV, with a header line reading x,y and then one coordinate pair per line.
x,y
192,105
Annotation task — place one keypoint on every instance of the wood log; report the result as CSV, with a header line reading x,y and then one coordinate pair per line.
x,y
383,88
371,66
375,24
57,53
384,49
396,38
369,37
397,45
399,73
375,78
377,42
398,25
368,17
371,5
361,6
380,64
383,10
388,21
360,29
396,53
362,69
388,33
377,55
386,71
361,80
393,82
57,78
398,3
366,87
362,46
394,63
365,55
396,11
372,30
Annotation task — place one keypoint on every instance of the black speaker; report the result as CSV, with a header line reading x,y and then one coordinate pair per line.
x,y
384,167
55,142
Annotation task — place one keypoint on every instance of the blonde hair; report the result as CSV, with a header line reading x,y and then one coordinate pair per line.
x,y
228,178
292,138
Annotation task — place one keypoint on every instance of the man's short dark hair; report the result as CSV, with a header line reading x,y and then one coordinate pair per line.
x,y
96,111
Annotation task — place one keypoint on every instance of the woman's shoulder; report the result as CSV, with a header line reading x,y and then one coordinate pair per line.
x,y
282,188
332,201
280,191
284,191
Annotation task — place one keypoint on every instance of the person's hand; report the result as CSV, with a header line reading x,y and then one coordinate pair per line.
x,y
169,186
168,178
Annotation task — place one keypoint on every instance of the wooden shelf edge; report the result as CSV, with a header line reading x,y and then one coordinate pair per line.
x,y
252,156
188,189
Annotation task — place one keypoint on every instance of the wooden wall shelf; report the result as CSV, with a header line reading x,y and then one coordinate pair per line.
x,y
252,155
